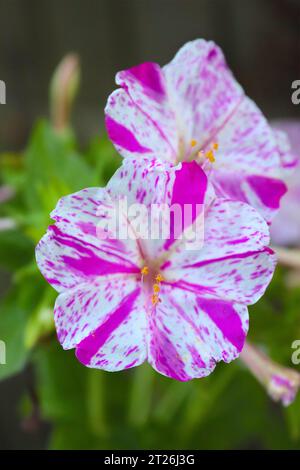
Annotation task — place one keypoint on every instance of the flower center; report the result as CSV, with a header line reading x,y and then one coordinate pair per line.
x,y
152,281
196,154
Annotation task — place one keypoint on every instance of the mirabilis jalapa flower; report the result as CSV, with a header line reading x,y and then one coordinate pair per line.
x,y
125,301
193,109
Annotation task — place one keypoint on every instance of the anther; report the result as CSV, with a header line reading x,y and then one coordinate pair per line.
x,y
159,278
154,299
156,288
145,271
210,156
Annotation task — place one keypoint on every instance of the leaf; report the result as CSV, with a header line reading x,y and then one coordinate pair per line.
x,y
103,156
15,249
61,382
12,323
52,159
15,309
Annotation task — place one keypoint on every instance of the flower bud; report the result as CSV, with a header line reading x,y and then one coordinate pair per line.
x,y
63,89
281,383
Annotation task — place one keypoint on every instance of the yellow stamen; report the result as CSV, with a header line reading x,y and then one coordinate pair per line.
x,y
145,271
193,143
156,288
159,278
154,299
215,145
210,156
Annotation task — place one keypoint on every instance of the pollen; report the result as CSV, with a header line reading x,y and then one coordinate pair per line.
x,y
145,271
154,299
215,146
159,278
193,143
210,156
156,288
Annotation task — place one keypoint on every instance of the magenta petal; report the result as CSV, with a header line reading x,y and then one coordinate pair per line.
x,y
224,316
269,190
189,189
123,137
189,334
90,345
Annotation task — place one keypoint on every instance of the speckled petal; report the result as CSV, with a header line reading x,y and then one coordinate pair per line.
x,y
234,263
80,311
202,89
74,252
190,334
159,112
119,341
153,184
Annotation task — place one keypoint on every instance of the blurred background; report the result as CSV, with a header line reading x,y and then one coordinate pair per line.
x,y
46,398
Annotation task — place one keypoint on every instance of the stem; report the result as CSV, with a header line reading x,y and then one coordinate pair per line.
x,y
288,256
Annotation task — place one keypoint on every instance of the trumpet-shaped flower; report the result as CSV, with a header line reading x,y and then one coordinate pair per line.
x,y
125,301
193,109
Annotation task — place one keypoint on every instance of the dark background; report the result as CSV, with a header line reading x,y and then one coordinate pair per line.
x,y
260,38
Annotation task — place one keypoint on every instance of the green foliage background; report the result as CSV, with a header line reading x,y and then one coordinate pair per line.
x,y
91,409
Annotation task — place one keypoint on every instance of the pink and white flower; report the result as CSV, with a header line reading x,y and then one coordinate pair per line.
x,y
184,110
123,302
285,229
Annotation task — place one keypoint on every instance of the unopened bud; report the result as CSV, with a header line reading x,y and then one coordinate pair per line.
x,y
63,90
281,383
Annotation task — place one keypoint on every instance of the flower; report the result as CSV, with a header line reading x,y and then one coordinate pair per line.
x,y
63,90
281,383
193,109
124,301
285,229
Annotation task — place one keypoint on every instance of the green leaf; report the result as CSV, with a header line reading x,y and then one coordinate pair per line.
x,y
103,156
12,324
15,249
61,382
53,169
15,310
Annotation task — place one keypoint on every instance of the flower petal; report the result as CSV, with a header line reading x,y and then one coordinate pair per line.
x,y
134,132
80,311
190,334
264,193
203,91
165,192
119,342
234,263
77,248
84,215
251,160
67,262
